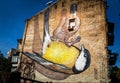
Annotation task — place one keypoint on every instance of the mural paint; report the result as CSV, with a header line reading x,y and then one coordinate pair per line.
x,y
58,53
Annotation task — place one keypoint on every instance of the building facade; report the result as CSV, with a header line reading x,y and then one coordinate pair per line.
x,y
13,55
92,31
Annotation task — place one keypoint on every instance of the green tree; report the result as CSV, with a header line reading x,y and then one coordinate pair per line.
x,y
5,64
5,68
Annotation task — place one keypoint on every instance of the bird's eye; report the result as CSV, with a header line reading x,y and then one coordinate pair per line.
x,y
48,45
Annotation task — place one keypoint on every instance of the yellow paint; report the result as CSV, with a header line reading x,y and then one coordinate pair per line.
x,y
59,53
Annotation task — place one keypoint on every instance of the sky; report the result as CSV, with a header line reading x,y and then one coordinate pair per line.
x,y
113,15
13,14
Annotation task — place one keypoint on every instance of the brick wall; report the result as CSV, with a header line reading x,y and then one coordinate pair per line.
x,y
92,32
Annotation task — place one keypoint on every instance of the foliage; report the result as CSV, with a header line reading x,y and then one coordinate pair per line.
x,y
115,75
5,64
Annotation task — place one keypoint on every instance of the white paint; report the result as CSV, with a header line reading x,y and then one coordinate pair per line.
x,y
47,40
81,61
72,24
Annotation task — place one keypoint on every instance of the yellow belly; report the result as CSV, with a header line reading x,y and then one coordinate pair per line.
x,y
58,52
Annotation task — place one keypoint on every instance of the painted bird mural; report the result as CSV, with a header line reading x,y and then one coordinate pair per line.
x,y
58,54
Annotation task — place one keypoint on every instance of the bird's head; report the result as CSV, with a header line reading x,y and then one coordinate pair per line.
x,y
83,61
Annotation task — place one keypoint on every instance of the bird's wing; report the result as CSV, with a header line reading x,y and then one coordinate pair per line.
x,y
37,58
52,66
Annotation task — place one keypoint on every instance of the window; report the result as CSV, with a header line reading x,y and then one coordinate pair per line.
x,y
13,69
14,59
71,24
